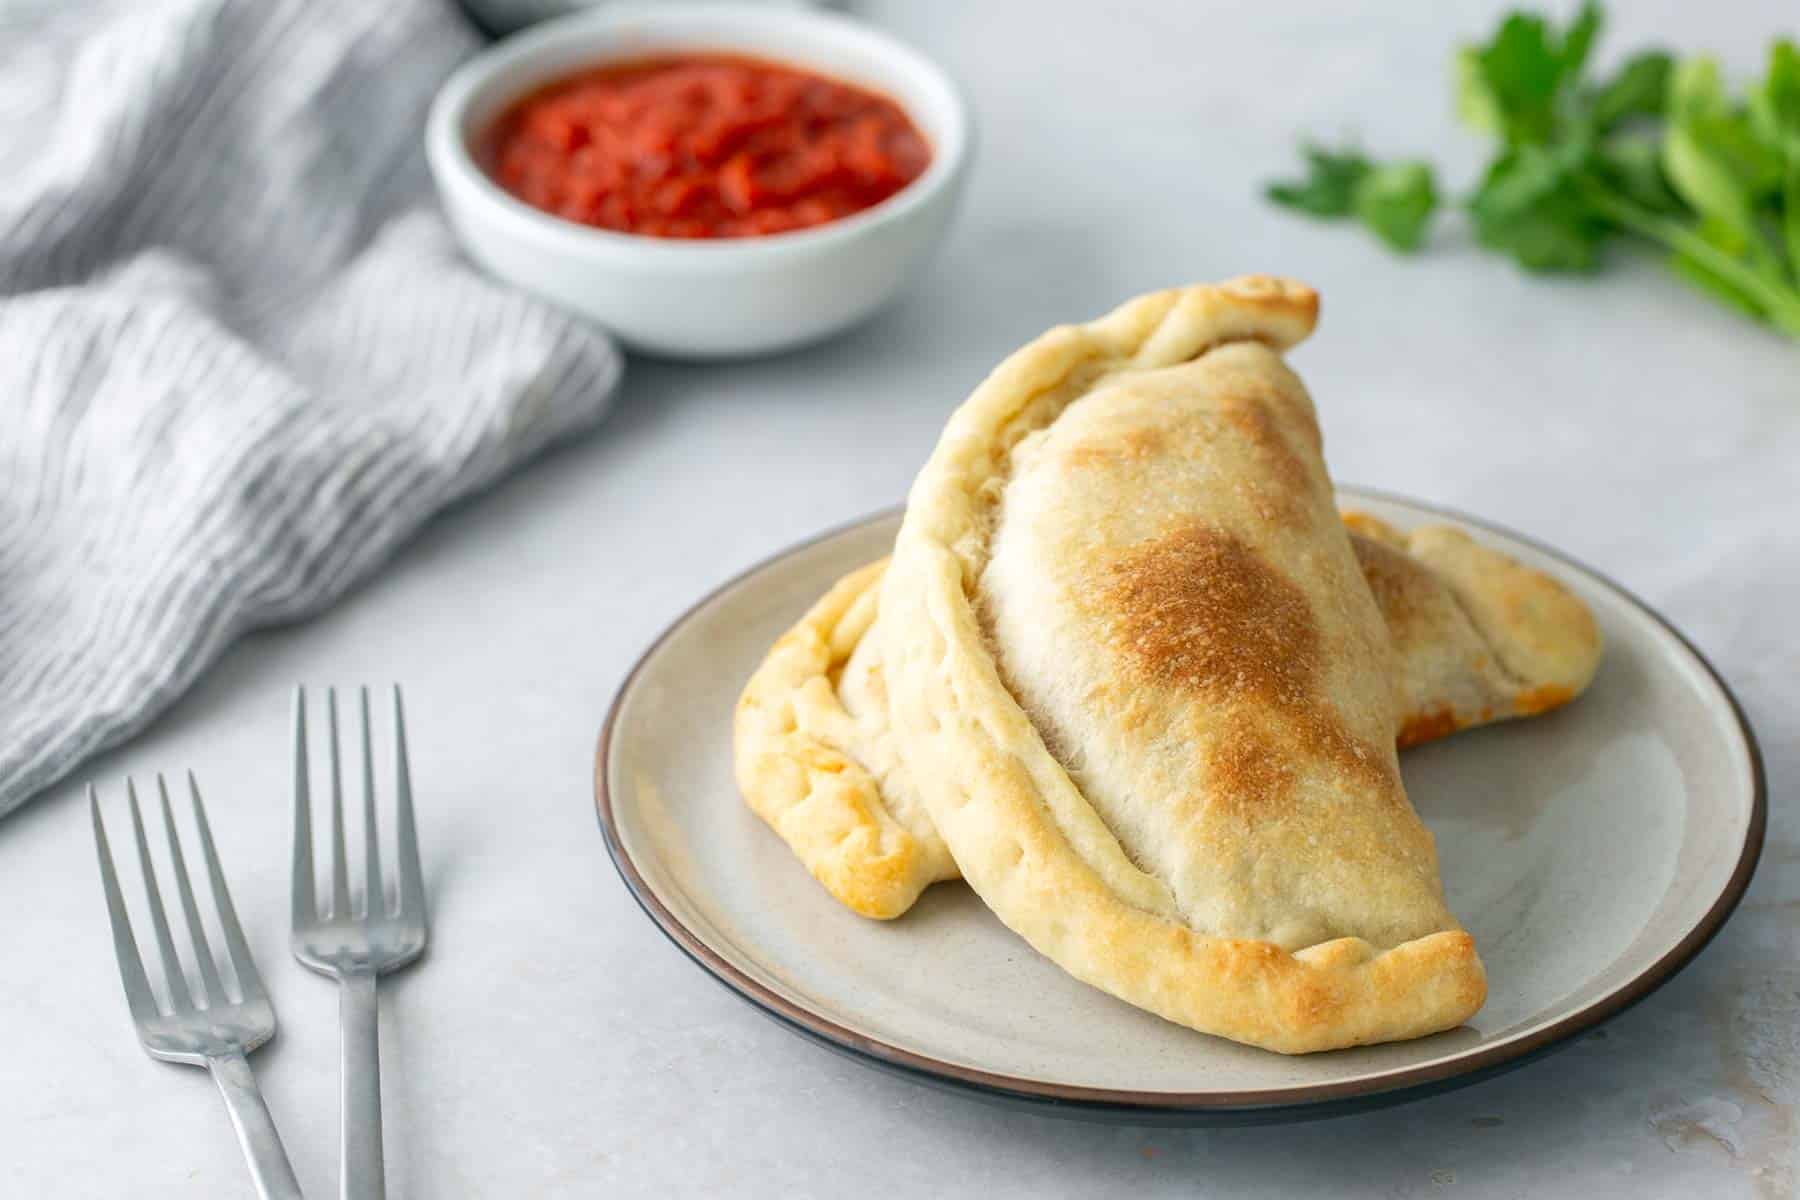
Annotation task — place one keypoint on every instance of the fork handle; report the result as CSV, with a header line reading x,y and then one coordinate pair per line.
x,y
361,1171
269,1166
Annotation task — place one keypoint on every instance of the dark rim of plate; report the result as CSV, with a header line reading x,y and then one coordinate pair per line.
x,y
1389,1087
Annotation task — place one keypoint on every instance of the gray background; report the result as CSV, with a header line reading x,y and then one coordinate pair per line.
x,y
554,1045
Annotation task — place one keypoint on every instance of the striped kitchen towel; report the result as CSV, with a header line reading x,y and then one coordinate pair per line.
x,y
240,360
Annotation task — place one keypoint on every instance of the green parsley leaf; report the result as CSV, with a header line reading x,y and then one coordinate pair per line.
x,y
1632,166
1637,89
1519,71
1580,39
1394,200
1529,205
1713,159
1476,105
1790,221
1775,116
1511,85
1329,189
1775,101
1397,201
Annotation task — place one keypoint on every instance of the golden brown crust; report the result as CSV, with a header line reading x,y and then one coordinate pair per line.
x,y
1541,633
1433,724
1027,839
795,748
1482,636
1448,680
1198,611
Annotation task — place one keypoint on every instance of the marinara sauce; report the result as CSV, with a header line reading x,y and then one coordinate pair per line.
x,y
704,146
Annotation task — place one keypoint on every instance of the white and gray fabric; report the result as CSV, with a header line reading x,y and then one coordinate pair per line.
x,y
240,360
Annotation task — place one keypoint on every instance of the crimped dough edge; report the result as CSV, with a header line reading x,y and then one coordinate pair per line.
x,y
790,748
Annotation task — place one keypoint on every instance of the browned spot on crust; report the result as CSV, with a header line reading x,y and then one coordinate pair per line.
x,y
1253,419
1131,445
1427,726
1255,959
1543,699
1251,773
1199,612
1281,496
1322,734
1311,1005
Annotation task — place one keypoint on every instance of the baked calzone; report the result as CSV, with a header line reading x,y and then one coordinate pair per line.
x,y
1477,637
1145,695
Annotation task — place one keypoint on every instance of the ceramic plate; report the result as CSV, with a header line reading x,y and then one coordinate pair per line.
x,y
1592,852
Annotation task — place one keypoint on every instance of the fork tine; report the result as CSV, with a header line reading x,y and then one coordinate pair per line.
x,y
340,882
374,900
179,1000
249,982
412,882
306,905
138,995
211,990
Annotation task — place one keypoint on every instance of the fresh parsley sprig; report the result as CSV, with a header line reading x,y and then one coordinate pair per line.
x,y
1659,150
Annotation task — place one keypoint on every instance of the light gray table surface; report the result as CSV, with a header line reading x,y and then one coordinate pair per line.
x,y
553,1044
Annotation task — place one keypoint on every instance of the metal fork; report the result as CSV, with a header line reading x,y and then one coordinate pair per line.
x,y
355,944
205,1026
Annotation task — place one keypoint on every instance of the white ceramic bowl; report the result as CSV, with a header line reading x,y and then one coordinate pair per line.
x,y
701,299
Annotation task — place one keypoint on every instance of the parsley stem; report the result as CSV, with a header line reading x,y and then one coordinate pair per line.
x,y
1782,304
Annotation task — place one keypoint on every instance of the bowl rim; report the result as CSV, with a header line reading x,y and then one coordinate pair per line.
x,y
453,162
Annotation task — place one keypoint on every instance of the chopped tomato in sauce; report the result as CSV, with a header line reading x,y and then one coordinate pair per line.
x,y
704,146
